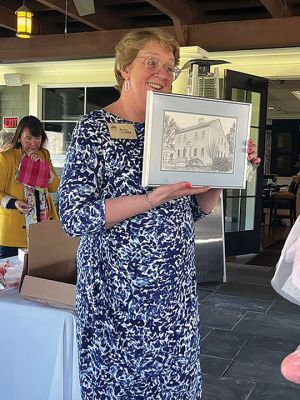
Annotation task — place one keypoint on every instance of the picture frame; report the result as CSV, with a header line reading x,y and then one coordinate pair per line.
x,y
194,139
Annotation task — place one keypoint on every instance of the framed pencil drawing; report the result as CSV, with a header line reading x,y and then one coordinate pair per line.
x,y
202,141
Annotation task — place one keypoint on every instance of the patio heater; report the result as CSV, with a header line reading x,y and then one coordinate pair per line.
x,y
201,81
209,232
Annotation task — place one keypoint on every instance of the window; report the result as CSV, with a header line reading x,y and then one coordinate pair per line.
x,y
195,152
63,107
285,146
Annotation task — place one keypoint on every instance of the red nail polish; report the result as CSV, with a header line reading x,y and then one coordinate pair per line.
x,y
188,185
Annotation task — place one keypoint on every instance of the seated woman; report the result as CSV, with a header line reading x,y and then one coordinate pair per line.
x,y
22,204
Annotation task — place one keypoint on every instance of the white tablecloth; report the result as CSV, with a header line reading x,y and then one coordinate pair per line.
x,y
38,352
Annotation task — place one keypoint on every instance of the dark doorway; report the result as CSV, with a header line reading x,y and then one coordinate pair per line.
x,y
243,208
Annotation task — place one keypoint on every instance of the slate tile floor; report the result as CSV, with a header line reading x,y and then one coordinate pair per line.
x,y
247,329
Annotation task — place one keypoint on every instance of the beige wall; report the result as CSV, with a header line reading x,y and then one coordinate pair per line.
x,y
14,101
63,74
270,63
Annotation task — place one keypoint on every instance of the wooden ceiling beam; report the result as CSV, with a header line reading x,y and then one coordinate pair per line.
x,y
222,36
277,8
100,21
186,13
136,11
246,35
60,47
8,19
228,5
118,2
180,32
232,16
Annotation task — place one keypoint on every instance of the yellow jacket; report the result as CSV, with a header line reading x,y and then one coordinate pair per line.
x,y
12,222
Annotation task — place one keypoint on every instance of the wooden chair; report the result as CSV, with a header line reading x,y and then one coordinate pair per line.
x,y
284,200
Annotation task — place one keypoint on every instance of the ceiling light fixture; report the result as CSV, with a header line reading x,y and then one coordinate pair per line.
x,y
296,93
66,18
24,22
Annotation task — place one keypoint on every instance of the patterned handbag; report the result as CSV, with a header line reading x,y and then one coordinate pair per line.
x,y
33,173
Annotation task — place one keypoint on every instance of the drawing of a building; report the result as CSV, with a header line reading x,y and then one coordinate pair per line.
x,y
204,141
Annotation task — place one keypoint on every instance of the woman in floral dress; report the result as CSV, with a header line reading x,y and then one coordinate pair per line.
x,y
137,312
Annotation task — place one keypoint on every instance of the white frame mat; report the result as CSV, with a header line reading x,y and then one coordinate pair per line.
x,y
202,141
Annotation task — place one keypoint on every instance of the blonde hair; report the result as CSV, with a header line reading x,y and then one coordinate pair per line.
x,y
134,41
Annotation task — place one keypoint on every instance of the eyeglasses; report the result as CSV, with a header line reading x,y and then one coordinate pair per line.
x,y
155,66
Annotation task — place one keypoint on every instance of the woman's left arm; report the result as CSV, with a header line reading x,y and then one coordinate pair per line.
x,y
54,179
207,200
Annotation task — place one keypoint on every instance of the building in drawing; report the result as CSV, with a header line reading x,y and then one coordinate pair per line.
x,y
203,143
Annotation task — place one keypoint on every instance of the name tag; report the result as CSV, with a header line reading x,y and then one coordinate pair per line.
x,y
121,131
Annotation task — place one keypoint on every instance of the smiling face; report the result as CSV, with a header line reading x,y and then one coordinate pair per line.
x,y
143,77
29,143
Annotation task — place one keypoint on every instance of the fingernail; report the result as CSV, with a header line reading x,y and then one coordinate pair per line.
x,y
188,185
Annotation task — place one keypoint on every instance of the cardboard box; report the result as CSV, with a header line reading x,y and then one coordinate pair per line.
x,y
49,274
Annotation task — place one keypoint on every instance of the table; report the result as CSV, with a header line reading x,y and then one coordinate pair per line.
x,y
38,356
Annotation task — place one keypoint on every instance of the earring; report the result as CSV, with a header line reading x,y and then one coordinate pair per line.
x,y
126,85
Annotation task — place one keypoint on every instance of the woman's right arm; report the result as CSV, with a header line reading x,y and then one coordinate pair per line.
x,y
3,179
81,204
121,208
6,200
83,209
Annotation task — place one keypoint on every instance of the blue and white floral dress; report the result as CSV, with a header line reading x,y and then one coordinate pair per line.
x,y
137,313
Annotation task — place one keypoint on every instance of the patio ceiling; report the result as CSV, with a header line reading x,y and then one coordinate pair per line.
x,y
63,30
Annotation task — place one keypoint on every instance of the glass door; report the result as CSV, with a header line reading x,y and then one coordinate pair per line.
x,y
243,208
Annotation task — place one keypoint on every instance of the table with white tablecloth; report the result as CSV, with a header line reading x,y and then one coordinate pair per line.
x,y
38,356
